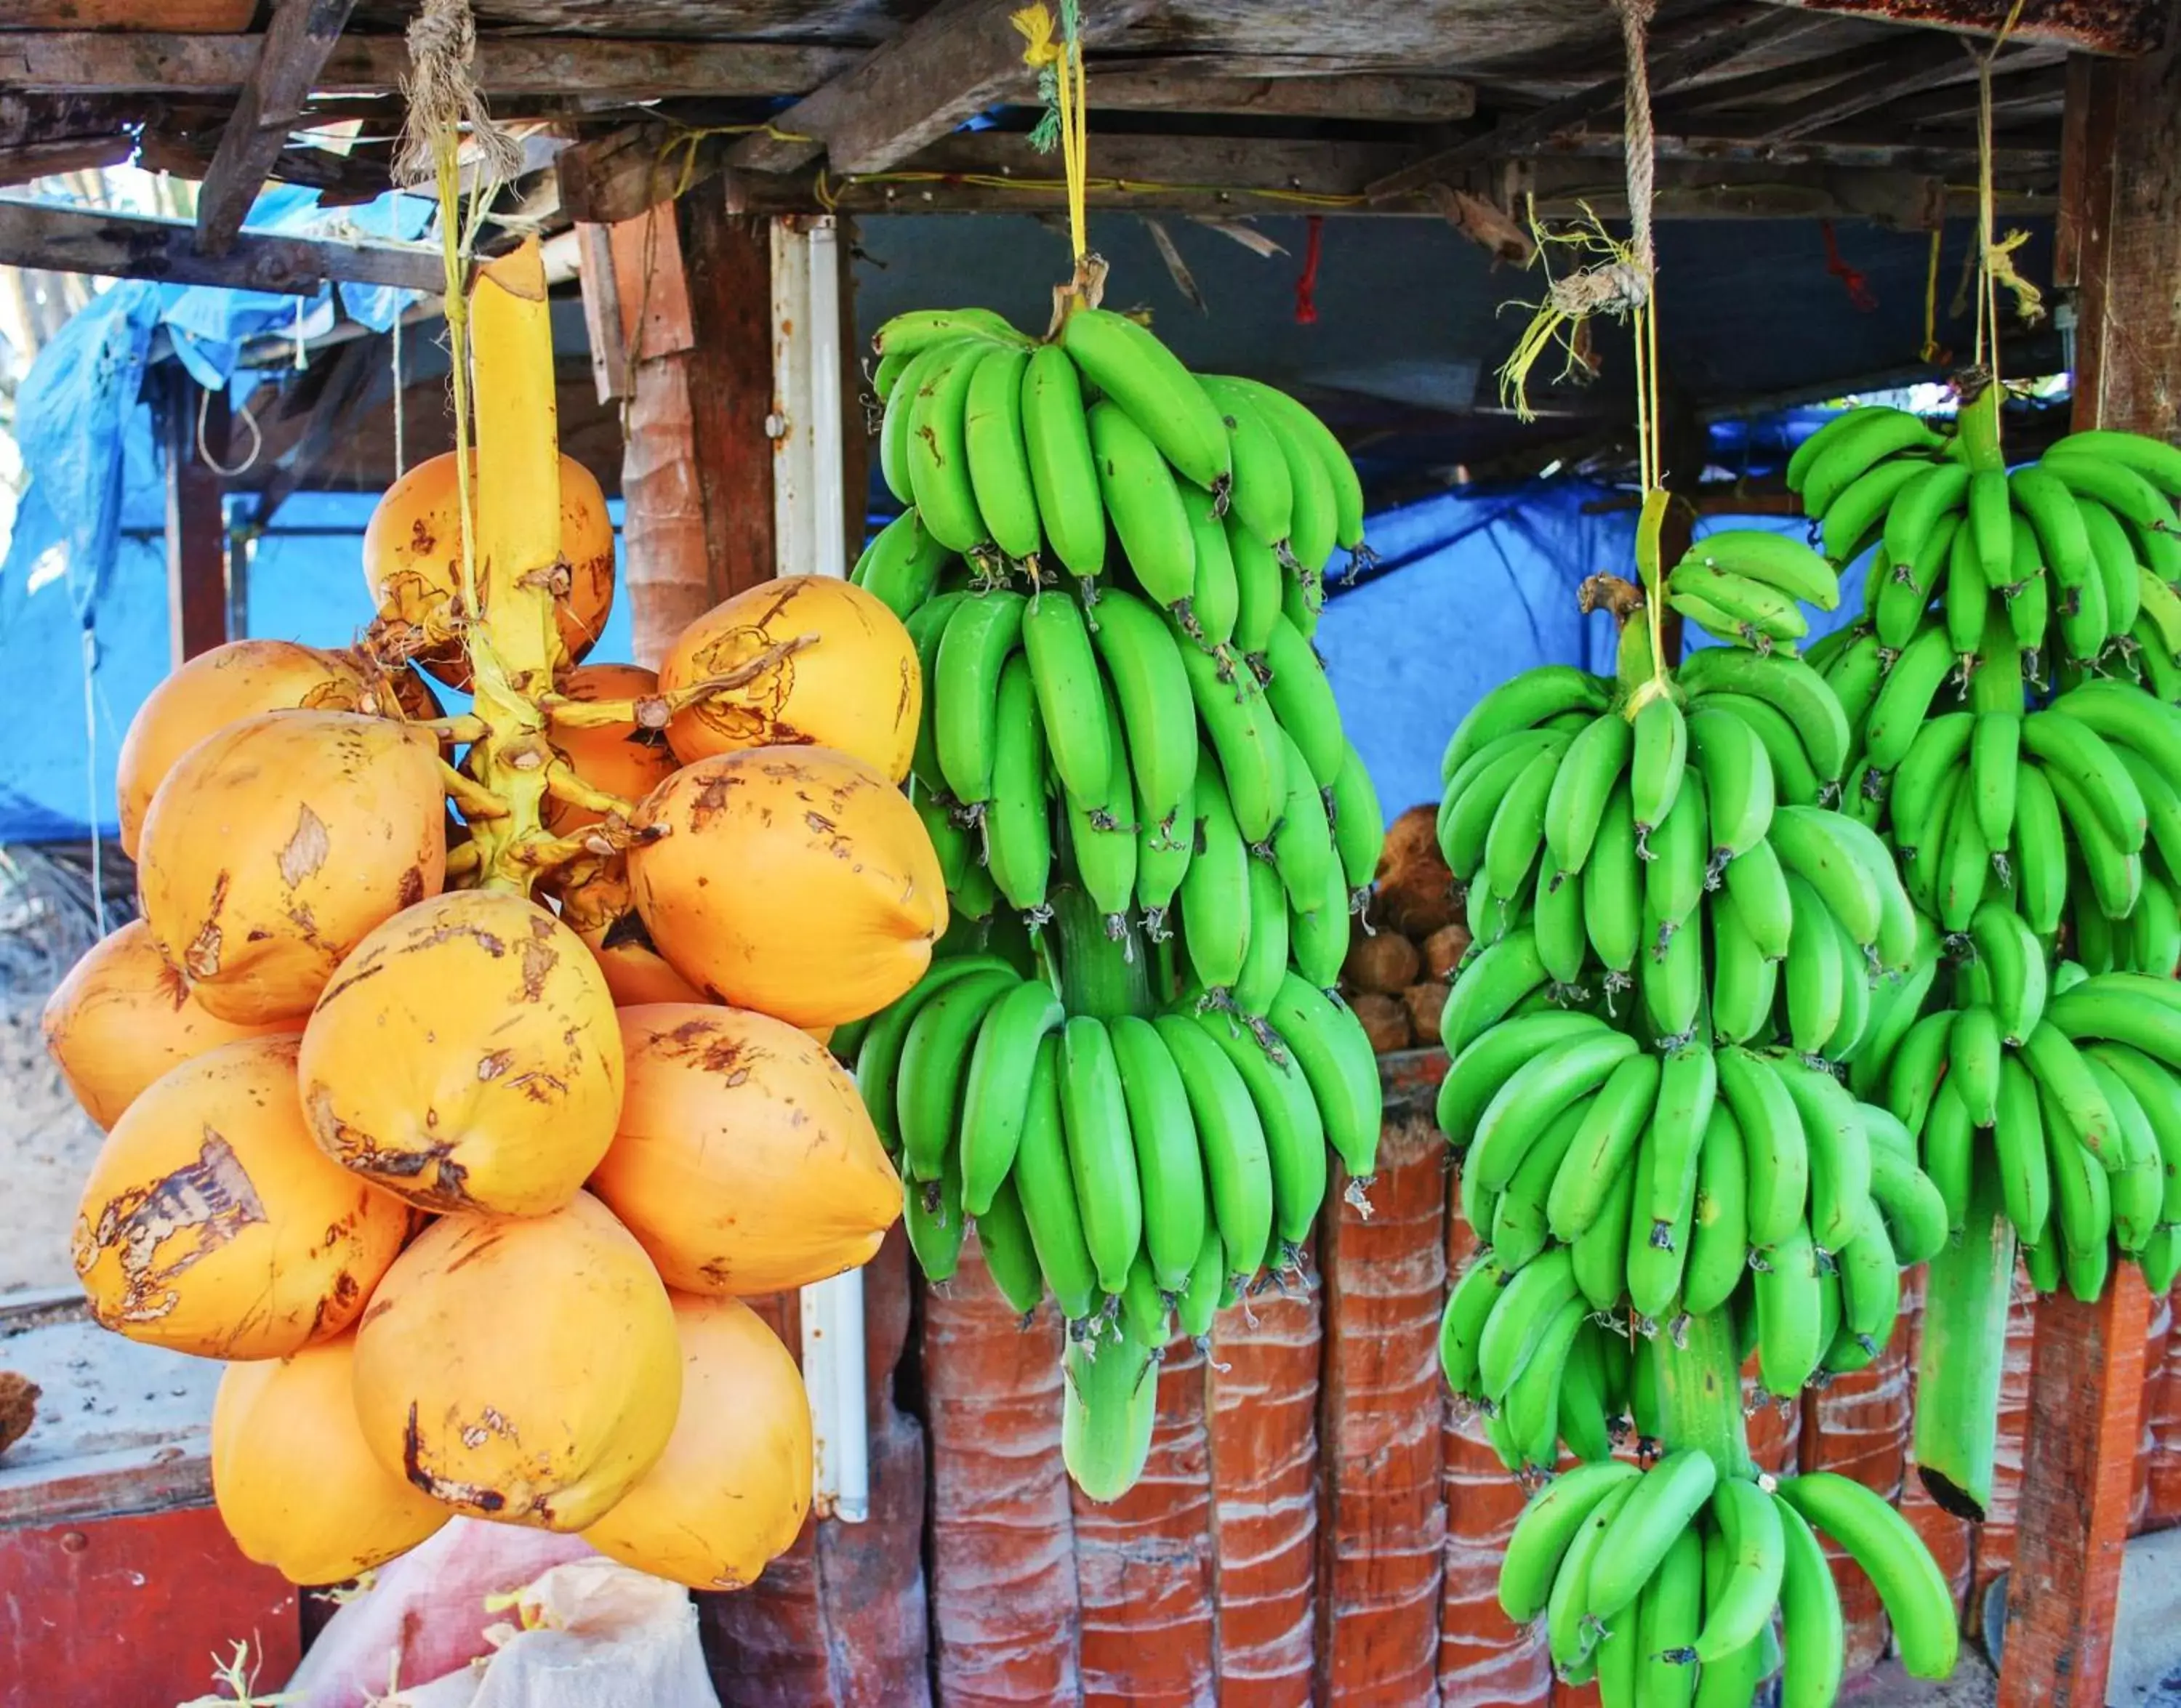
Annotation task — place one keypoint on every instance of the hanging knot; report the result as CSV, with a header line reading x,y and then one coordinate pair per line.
x,y
1853,282
1306,308
1616,288
2028,300
442,100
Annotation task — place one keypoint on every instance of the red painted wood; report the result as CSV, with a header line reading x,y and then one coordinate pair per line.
x,y
120,1612
1143,1563
1263,1403
1002,1542
2161,1404
1383,1531
2086,1386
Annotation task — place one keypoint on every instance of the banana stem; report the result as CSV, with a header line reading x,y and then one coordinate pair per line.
x,y
1699,1387
1650,523
1968,1292
1977,423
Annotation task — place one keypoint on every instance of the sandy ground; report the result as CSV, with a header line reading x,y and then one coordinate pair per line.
x,y
46,1145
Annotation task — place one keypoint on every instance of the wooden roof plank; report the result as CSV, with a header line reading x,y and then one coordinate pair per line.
x,y
1912,66
2122,27
959,58
1710,41
125,245
302,33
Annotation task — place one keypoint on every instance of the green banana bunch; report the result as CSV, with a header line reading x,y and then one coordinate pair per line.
x,y
1664,1584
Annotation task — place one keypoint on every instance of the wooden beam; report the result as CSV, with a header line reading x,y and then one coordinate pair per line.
x,y
27,163
301,35
196,530
1227,175
597,68
129,245
130,14
2122,27
1201,87
727,261
959,58
1677,55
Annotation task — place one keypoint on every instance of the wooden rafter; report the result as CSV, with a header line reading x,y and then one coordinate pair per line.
x,y
2123,27
959,58
1911,66
127,245
301,35
1690,50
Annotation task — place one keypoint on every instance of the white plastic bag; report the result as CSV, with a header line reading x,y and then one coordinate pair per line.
x,y
593,1634
495,1616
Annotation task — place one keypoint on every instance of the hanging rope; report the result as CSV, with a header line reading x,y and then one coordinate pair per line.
x,y
444,104
1932,350
1996,257
400,457
1058,59
204,452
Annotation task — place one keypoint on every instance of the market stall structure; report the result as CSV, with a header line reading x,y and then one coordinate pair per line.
x,y
707,184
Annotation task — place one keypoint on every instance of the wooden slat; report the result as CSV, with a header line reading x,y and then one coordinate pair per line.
x,y
119,15
1203,85
1910,66
2097,26
301,34
959,58
31,161
1677,56
597,68
127,245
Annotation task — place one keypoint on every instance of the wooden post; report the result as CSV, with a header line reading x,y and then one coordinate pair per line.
x,y
196,531
727,265
2122,248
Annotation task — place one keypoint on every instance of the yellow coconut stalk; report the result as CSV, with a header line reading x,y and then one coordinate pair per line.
x,y
853,685
211,1224
297,1487
465,1056
796,881
277,843
523,1369
122,1017
745,1161
731,1489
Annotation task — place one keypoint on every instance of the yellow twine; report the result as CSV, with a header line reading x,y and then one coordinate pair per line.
x,y
1930,351
1063,57
1996,263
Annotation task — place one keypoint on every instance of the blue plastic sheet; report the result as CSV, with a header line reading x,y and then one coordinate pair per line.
x,y
82,585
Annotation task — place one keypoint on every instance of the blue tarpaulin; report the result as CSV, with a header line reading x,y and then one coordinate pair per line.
x,y
83,587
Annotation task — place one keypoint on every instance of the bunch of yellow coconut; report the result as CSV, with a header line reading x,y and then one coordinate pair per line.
x,y
461,1135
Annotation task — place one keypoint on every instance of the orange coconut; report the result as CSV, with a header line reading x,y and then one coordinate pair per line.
x,y
798,881
277,843
525,1370
297,1489
413,559
619,758
730,1490
599,911
123,1016
465,1056
745,1161
215,689
211,1224
856,687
